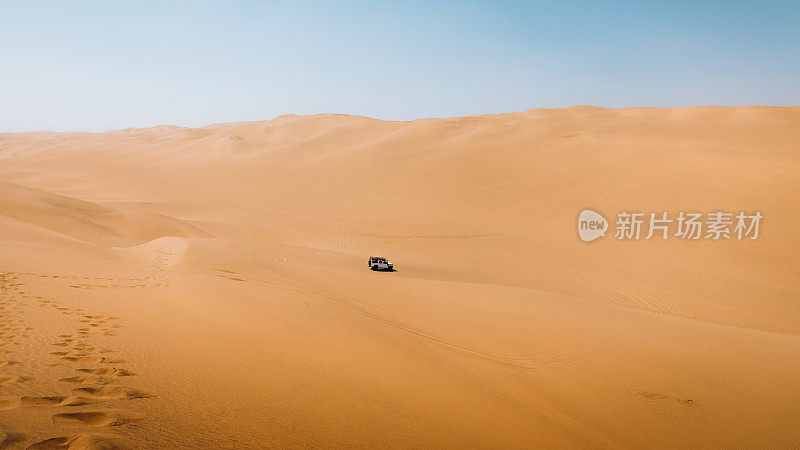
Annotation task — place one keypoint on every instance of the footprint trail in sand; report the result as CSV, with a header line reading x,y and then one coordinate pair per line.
x,y
93,380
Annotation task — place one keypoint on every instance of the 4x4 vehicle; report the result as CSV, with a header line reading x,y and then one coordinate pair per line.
x,y
380,263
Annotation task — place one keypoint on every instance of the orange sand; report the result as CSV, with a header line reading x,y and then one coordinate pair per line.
x,y
208,287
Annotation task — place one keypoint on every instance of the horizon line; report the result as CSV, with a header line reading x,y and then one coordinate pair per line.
x,y
387,120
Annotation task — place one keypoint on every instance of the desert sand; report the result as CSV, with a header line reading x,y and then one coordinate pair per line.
x,y
172,287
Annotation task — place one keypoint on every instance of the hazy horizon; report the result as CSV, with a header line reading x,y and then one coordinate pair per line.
x,y
230,122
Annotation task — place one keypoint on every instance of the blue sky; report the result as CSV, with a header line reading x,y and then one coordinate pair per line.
x,y
105,65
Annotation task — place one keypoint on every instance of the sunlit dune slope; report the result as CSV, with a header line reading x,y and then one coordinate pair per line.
x,y
235,257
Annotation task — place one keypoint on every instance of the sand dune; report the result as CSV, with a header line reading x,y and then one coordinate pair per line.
x,y
208,287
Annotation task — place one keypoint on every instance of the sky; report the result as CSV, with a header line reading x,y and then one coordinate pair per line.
x,y
100,65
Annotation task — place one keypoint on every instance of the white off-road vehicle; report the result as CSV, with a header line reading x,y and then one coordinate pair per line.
x,y
380,263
